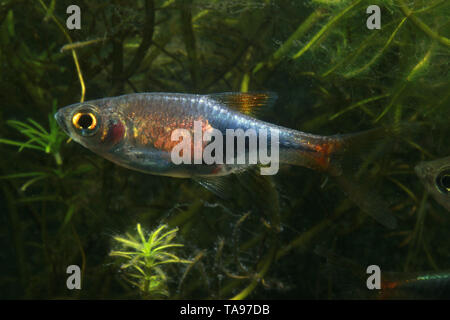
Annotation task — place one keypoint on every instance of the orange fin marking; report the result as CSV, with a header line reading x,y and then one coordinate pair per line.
x,y
325,150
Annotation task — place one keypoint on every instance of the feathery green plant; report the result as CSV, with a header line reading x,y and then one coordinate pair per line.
x,y
39,138
143,263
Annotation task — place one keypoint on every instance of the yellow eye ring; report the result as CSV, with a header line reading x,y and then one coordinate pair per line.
x,y
84,120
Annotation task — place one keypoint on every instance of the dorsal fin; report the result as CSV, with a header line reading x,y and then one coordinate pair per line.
x,y
250,103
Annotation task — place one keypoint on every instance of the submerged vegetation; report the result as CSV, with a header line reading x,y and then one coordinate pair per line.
x,y
63,205
145,257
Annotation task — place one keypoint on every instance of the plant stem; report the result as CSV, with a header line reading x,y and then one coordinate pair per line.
x,y
422,26
324,29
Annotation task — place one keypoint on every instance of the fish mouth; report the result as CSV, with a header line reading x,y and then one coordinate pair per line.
x,y
61,120
418,170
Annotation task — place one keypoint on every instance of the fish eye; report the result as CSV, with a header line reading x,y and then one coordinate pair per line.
x,y
443,181
85,122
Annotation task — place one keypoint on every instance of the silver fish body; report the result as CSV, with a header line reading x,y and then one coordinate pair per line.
x,y
135,131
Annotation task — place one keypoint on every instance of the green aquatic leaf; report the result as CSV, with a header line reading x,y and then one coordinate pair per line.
x,y
67,217
39,137
10,23
21,144
144,265
128,242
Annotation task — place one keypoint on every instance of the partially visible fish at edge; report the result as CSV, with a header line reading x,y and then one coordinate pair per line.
x,y
417,285
135,130
352,278
435,176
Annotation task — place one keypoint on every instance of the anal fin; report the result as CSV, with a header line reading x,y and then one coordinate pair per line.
x,y
367,200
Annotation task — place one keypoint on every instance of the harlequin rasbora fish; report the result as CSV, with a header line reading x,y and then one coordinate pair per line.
x,y
135,131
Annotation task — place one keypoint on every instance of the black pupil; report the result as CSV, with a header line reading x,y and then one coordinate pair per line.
x,y
443,181
85,121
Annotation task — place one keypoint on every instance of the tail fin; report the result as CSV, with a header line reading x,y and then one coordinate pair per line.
x,y
342,156
350,149
352,154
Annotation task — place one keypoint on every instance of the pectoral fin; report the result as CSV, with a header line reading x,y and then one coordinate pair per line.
x,y
221,186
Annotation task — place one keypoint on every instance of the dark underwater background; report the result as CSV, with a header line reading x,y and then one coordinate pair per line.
x,y
295,235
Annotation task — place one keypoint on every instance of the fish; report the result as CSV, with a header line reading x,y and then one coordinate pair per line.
x,y
415,285
136,131
435,176
352,280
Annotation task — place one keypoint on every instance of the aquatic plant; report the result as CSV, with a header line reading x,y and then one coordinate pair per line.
x,y
39,138
144,259
332,75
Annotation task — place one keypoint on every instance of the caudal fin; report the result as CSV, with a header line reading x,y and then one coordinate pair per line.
x,y
347,162
350,151
344,157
